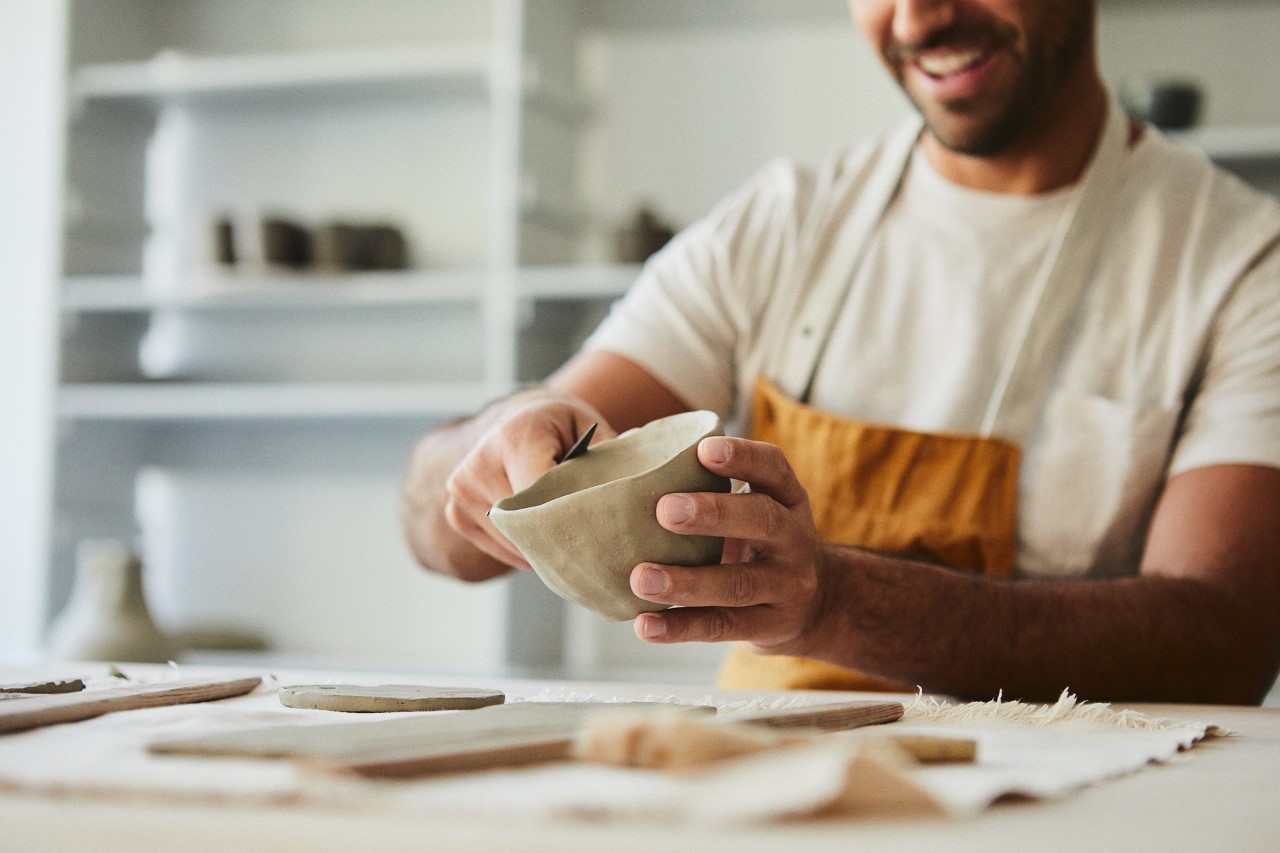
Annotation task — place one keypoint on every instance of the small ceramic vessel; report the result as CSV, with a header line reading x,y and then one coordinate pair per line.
x,y
586,523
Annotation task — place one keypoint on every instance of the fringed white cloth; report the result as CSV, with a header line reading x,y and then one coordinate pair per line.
x,y
1023,750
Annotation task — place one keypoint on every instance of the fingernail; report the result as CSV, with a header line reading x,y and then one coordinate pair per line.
x,y
652,627
652,582
716,450
677,510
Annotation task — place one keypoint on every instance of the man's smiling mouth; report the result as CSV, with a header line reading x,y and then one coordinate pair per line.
x,y
942,63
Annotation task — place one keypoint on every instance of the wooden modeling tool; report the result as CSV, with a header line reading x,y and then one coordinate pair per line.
x,y
831,717
52,709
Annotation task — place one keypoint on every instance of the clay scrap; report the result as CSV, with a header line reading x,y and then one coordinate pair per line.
x,y
72,685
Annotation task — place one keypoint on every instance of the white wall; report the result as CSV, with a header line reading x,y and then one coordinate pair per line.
x,y
1228,47
32,51
687,112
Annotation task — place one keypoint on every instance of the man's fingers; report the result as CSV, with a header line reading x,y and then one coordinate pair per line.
x,y
528,455
470,521
725,585
761,464
703,624
755,518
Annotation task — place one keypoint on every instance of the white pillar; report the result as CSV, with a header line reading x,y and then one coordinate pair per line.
x,y
33,57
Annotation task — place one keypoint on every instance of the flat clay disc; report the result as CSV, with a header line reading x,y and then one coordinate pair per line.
x,y
361,698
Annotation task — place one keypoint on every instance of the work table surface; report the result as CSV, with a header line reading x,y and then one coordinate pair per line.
x,y
1224,795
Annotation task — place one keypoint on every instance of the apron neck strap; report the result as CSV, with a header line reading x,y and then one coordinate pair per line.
x,y
1059,286
796,353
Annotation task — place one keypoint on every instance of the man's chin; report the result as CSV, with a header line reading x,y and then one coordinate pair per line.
x,y
971,134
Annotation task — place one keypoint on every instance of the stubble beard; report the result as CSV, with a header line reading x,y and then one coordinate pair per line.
x,y
1044,67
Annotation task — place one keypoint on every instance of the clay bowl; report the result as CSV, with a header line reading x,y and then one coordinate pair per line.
x,y
586,523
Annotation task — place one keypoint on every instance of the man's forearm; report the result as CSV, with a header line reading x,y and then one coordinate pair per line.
x,y
1149,637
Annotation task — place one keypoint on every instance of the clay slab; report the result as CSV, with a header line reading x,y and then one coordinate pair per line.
x,y
363,699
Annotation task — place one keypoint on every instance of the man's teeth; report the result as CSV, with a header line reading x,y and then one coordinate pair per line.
x,y
942,64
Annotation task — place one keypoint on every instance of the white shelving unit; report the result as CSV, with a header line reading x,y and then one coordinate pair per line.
x,y
197,400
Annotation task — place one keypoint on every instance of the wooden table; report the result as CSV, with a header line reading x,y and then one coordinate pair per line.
x,y
1222,795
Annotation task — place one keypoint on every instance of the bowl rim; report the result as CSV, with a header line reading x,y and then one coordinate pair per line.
x,y
712,423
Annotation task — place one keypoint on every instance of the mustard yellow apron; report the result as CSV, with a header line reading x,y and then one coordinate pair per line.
x,y
947,499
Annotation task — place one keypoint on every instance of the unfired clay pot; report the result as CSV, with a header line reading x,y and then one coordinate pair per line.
x,y
107,617
586,523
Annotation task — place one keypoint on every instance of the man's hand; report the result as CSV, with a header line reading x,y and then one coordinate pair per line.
x,y
457,471
1197,624
770,590
521,443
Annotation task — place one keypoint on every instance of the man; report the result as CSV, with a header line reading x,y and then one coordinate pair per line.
x,y
1015,383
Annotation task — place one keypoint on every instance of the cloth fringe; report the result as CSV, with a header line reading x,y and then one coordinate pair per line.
x,y
755,704
928,709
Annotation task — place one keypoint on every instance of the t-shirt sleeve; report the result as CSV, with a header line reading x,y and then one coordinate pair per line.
x,y
1235,416
689,317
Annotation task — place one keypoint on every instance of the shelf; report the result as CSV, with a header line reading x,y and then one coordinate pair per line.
x,y
585,281
323,291
682,14
276,291
1255,142
174,76
208,401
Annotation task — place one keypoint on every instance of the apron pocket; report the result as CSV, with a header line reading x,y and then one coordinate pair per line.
x,y
1090,486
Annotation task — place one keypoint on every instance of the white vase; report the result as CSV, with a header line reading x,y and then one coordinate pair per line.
x,y
107,616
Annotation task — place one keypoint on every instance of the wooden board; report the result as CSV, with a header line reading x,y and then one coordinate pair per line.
x,y
421,744
830,717
70,707
496,736
364,699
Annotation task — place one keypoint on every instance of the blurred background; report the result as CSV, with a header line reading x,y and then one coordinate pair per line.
x,y
250,250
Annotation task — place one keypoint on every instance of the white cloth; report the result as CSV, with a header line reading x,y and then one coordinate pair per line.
x,y
1035,751
1173,361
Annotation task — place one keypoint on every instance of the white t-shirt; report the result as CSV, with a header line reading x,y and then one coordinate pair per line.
x,y
1172,361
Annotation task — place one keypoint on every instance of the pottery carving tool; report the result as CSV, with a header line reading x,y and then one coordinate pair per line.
x,y
48,710
579,446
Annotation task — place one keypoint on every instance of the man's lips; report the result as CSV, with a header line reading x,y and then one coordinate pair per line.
x,y
941,63
949,74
